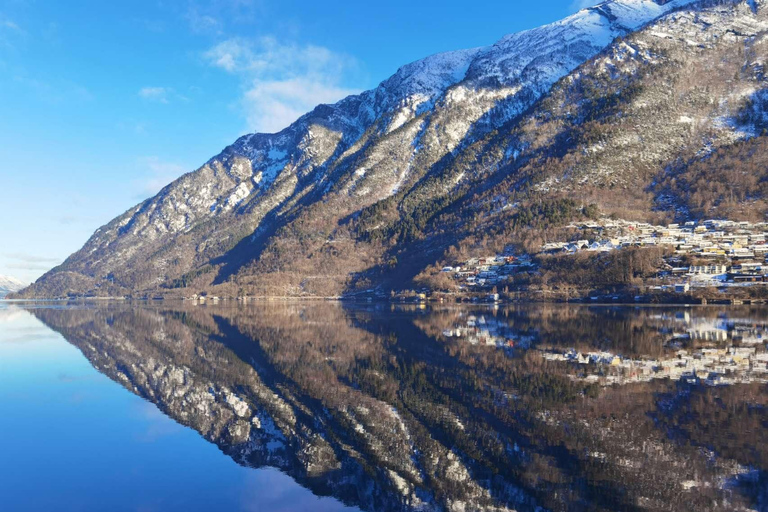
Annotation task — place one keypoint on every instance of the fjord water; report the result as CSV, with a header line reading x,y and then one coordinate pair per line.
x,y
71,439
322,406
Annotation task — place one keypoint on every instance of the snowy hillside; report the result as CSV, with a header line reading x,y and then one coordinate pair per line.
x,y
9,285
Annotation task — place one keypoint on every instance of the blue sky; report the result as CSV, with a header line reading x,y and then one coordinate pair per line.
x,y
104,102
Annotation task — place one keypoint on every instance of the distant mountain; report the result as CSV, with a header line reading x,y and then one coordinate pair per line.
x,y
648,109
9,285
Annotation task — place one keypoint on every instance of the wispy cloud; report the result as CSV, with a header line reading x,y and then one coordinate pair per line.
x,y
30,267
267,55
155,94
214,16
161,94
203,23
10,32
578,5
281,81
133,126
69,220
10,25
271,105
26,267
29,262
29,258
54,92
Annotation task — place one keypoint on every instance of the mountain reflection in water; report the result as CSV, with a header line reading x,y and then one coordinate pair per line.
x,y
394,408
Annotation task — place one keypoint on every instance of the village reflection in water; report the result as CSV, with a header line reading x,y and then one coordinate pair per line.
x,y
713,350
398,407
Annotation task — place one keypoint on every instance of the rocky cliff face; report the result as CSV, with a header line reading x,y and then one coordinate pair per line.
x,y
336,200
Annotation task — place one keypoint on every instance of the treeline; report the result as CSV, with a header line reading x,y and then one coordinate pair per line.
x,y
523,229
629,266
730,183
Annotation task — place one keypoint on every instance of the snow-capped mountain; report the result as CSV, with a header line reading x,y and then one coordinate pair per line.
x,y
334,199
9,285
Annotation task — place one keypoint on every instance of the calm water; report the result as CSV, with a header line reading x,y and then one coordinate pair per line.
x,y
318,406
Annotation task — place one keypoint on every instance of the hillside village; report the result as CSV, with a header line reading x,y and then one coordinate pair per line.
x,y
718,253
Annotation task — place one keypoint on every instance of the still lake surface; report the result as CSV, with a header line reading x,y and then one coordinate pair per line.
x,y
330,407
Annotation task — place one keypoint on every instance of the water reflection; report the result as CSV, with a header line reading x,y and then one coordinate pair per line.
x,y
630,345
402,408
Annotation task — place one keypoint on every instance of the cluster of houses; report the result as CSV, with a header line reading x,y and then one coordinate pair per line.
x,y
709,238
726,252
490,270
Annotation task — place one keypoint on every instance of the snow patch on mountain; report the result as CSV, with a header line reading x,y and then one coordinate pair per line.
x,y
10,285
458,89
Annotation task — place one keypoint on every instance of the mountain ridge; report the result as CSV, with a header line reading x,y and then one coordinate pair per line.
x,y
268,197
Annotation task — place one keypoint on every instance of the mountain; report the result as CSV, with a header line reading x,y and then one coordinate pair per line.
x,y
10,285
648,109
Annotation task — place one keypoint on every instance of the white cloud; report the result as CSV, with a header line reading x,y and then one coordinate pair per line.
x,y
28,264
215,17
267,55
10,32
577,5
161,94
11,25
274,104
231,55
282,81
28,258
202,23
155,93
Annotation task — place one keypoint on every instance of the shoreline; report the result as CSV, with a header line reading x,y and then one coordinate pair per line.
x,y
429,302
